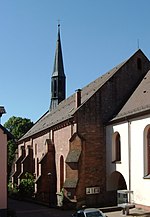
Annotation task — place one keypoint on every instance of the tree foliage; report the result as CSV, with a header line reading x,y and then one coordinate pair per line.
x,y
17,126
26,187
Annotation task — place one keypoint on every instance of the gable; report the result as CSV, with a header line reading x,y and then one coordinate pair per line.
x,y
66,109
139,102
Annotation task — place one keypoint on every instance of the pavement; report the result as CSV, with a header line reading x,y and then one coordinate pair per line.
x,y
26,209
134,212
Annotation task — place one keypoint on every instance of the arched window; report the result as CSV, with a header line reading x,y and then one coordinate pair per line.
x,y
37,163
147,151
35,149
61,172
116,147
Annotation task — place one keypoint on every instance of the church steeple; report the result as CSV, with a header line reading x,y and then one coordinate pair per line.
x,y
58,79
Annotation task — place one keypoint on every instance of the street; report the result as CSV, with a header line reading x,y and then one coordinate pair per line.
x,y
26,209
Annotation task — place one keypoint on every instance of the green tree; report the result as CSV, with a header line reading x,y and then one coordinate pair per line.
x,y
17,126
26,187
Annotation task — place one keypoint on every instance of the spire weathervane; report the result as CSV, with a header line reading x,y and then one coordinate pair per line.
x,y
138,43
58,26
58,23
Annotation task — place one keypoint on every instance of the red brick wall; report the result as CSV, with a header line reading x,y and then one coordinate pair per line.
x,y
92,165
91,120
61,143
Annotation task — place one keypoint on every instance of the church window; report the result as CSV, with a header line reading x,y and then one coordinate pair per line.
x,y
139,64
61,172
35,149
147,152
116,147
37,165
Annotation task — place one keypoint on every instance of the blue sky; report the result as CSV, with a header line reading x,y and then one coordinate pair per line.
x,y
96,35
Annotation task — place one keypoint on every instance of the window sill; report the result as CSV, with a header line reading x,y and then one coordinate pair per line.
x,y
147,176
116,162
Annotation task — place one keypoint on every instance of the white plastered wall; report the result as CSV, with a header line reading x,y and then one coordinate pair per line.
x,y
132,135
121,167
140,185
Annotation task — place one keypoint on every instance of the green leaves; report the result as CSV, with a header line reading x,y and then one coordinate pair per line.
x,y
18,127
26,187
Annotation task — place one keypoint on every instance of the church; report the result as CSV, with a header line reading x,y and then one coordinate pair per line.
x,y
93,143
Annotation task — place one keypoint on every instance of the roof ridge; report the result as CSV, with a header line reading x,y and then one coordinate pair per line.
x,y
66,109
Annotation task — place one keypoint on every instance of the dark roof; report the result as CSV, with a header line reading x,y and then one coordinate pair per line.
x,y
66,109
58,69
70,183
73,156
42,158
139,100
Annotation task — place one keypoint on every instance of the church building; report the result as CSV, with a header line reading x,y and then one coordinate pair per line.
x,y
83,147
128,146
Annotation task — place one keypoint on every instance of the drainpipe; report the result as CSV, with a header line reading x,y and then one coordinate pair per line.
x,y
129,156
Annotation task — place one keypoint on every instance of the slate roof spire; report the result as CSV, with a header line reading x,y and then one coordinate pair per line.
x,y
58,79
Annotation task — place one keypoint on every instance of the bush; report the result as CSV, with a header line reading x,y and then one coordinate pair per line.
x,y
26,187
12,190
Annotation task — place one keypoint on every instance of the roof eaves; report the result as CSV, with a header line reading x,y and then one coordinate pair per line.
x,y
72,112
47,126
132,113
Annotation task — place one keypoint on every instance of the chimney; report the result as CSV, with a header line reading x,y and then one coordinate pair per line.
x,y
2,111
78,98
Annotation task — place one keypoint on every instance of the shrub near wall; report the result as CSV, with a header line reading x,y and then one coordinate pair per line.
x,y
26,187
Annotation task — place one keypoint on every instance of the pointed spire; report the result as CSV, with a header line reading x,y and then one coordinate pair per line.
x,y
58,69
59,32
58,79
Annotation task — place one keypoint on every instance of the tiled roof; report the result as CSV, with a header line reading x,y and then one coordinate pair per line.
x,y
139,100
73,156
66,108
70,183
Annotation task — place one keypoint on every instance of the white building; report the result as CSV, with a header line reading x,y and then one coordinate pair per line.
x,y
128,146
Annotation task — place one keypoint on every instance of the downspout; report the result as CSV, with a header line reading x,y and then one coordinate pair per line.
x,y
129,156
